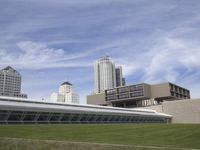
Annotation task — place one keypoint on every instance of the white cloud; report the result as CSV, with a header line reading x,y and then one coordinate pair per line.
x,y
170,56
33,55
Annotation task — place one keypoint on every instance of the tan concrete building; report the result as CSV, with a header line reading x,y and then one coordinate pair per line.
x,y
97,99
139,95
168,91
183,111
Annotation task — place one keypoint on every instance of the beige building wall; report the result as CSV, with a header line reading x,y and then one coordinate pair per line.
x,y
183,111
97,99
158,108
147,90
160,90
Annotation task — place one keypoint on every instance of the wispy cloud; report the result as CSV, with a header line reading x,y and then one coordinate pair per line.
x,y
154,41
31,55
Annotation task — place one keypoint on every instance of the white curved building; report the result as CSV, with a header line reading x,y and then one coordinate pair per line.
x,y
104,74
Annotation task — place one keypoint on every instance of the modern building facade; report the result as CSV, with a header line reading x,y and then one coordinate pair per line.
x,y
21,111
140,95
65,94
10,83
106,75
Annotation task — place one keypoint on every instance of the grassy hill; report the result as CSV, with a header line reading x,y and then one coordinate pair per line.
x,y
128,135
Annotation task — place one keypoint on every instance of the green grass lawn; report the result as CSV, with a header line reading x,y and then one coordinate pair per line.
x,y
171,135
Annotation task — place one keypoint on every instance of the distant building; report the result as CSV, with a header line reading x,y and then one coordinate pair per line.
x,y
104,71
119,76
10,83
139,95
106,75
65,94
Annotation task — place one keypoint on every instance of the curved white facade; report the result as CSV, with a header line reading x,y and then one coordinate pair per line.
x,y
104,70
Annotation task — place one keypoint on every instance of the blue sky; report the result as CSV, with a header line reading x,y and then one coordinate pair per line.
x,y
51,41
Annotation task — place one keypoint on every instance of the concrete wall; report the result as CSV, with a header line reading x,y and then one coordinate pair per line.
x,y
158,108
97,99
147,90
160,90
183,111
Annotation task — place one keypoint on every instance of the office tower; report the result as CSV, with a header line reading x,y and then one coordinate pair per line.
x,y
10,83
119,76
65,94
104,74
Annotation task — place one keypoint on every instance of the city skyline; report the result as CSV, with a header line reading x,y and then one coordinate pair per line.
x,y
50,42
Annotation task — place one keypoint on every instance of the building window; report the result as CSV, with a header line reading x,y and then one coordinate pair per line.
x,y
113,91
111,97
137,87
121,96
137,94
123,90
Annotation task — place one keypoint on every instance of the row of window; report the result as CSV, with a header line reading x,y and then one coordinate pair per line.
x,y
125,95
21,116
179,89
126,89
179,95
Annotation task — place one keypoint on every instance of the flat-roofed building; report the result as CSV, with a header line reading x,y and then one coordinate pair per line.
x,y
127,96
142,94
22,111
168,91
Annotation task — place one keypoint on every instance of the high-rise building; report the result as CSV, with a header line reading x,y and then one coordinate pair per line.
x,y
104,74
10,83
119,76
65,94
